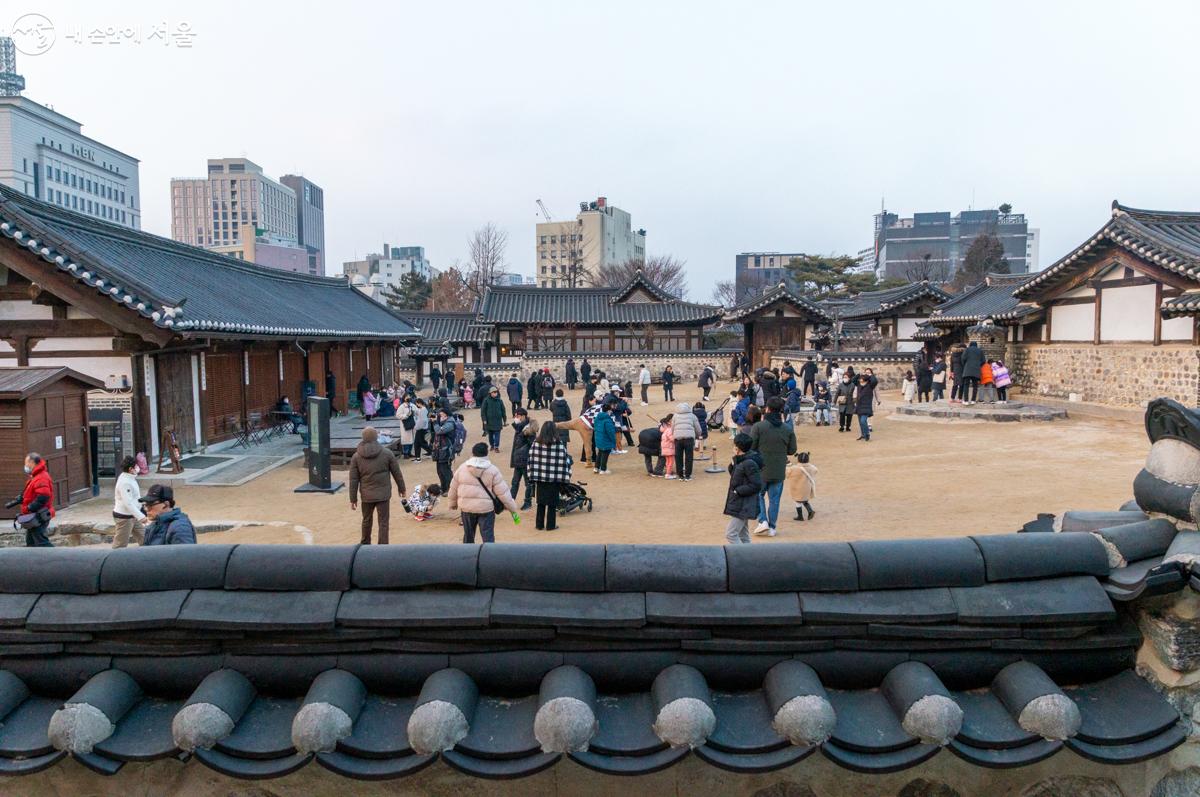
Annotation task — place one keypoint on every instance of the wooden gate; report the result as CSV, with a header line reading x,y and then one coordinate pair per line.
x,y
176,408
223,393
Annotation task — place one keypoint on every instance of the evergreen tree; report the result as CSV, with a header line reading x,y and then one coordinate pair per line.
x,y
827,277
985,256
411,294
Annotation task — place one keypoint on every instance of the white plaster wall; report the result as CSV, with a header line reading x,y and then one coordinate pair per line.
x,y
1072,321
11,310
907,327
99,367
1177,328
69,344
1080,292
1127,313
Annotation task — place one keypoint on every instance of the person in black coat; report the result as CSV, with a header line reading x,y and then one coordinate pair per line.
x,y
808,373
745,483
972,371
560,411
533,384
364,385
435,376
864,404
590,386
957,372
924,380
668,382
569,372
518,460
585,371
513,388
331,392
650,447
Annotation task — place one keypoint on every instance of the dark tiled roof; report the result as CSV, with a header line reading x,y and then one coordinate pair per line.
x,y
17,383
993,298
452,328
781,293
927,332
875,303
1187,303
606,307
189,290
1169,239
374,660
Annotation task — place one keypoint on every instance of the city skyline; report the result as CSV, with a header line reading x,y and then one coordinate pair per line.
x,y
477,140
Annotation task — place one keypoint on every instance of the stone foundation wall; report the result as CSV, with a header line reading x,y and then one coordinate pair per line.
x,y
1117,374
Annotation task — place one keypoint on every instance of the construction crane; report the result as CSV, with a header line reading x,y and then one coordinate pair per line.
x,y
542,207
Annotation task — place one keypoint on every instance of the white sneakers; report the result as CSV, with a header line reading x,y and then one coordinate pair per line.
x,y
671,477
606,473
762,528
644,404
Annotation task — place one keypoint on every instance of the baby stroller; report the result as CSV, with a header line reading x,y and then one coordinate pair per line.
x,y
572,496
716,418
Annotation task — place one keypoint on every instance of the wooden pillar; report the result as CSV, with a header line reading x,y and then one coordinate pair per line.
x,y
1046,332
612,340
1096,331
243,370
1158,297
803,334
895,332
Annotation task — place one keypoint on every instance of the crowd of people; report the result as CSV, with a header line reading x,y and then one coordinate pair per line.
x,y
765,407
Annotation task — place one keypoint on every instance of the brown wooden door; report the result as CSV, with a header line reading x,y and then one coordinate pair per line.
x,y
176,408
340,367
223,394
46,433
78,448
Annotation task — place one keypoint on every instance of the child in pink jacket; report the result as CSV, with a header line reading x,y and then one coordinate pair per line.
x,y
668,445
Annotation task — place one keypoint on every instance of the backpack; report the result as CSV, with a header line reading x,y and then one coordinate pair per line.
x,y
460,436
547,383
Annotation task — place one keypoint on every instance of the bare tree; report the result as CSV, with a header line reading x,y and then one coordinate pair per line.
x,y
486,249
725,294
928,267
644,334
666,271
450,291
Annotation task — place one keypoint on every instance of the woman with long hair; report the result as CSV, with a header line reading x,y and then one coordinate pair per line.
x,y
549,466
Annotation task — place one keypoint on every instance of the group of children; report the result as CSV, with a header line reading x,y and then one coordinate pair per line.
x,y
993,375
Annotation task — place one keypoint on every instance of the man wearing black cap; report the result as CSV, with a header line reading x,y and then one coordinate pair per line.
x,y
168,524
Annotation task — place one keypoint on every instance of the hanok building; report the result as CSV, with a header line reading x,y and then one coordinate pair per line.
x,y
449,339
206,342
779,319
991,300
638,317
1124,302
895,313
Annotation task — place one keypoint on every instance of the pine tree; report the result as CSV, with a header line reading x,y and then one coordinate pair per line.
x,y
985,256
411,294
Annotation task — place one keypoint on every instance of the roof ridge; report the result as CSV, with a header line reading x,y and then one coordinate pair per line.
x,y
9,195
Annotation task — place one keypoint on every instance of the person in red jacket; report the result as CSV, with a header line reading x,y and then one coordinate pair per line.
x,y
37,496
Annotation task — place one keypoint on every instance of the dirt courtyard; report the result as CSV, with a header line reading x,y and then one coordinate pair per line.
x,y
915,478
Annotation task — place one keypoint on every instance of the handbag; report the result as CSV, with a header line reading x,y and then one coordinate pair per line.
x,y
497,506
408,423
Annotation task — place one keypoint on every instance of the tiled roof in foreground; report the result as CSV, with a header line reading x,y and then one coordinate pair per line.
x,y
189,290
502,659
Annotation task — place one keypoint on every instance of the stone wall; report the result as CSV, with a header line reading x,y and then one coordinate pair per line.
x,y
889,367
1117,374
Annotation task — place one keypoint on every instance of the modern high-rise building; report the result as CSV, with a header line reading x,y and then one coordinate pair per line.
x,y
754,273
45,155
310,218
211,211
388,268
569,254
270,250
933,245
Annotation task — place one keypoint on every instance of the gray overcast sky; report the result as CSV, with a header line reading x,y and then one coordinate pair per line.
x,y
722,127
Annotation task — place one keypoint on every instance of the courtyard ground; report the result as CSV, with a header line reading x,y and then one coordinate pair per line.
x,y
915,478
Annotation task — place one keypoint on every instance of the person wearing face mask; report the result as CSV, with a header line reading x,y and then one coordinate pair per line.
x,y
37,499
843,399
127,509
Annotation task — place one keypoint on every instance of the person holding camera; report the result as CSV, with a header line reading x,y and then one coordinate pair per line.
x,y
36,502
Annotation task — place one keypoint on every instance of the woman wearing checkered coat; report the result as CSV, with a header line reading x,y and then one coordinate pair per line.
x,y
549,466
